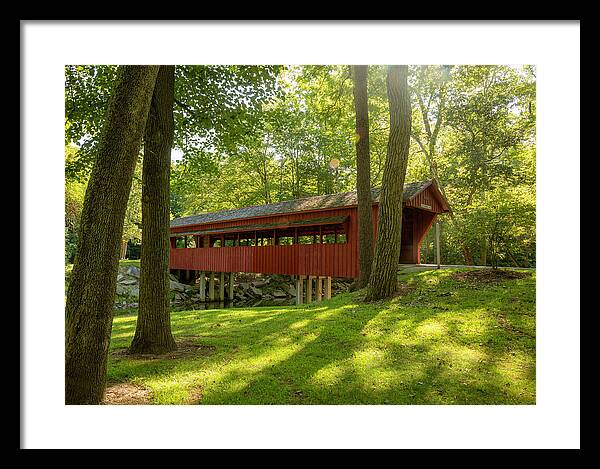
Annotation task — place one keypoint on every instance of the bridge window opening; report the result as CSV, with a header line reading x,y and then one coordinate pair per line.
x,y
285,240
230,240
265,239
325,234
247,239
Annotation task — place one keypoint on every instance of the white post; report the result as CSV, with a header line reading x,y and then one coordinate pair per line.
x,y
437,243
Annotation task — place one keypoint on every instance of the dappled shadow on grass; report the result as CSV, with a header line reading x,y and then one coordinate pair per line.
x,y
440,342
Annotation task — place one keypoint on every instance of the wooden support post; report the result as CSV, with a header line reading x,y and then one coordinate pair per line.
x,y
309,288
211,287
202,286
328,288
230,286
437,243
222,286
319,288
299,292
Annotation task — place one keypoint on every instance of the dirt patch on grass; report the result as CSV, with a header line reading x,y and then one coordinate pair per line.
x,y
507,326
126,394
185,348
404,288
489,275
196,395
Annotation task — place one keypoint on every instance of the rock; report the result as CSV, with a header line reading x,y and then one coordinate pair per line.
x,y
255,291
120,277
291,289
176,286
279,294
260,283
129,281
134,271
172,277
125,290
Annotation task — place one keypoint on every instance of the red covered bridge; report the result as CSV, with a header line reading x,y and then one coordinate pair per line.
x,y
313,236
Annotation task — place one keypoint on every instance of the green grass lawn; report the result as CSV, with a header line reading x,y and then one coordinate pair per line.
x,y
442,341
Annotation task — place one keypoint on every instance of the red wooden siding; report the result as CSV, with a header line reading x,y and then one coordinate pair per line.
x,y
333,260
426,200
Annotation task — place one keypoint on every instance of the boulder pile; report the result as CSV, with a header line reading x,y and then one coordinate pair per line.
x,y
249,290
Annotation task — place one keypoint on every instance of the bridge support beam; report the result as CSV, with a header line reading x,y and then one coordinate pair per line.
x,y
230,286
211,287
299,288
202,286
319,289
328,288
309,288
222,286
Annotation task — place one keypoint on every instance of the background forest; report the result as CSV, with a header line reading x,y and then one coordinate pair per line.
x,y
250,135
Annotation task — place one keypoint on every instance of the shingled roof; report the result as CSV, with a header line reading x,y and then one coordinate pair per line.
x,y
343,199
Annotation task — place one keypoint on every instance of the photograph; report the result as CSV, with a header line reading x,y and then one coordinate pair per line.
x,y
300,234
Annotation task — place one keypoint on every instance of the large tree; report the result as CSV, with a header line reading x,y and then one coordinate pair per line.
x,y
363,174
383,280
91,294
153,328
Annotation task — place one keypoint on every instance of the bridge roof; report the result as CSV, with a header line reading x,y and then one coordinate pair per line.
x,y
307,204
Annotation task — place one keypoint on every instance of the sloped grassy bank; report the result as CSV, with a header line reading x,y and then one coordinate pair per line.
x,y
447,338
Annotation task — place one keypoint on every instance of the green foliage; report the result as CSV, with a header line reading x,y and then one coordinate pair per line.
x,y
74,196
251,135
132,226
87,91
444,341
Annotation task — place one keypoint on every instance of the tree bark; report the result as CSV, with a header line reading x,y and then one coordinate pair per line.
x,y
363,175
91,295
383,280
153,328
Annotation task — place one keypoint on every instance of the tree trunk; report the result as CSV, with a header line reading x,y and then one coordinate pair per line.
x,y
467,256
90,300
383,280
363,175
153,328
484,249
